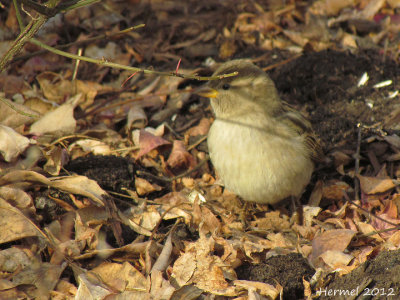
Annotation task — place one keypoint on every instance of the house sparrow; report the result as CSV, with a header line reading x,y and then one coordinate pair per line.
x,y
263,150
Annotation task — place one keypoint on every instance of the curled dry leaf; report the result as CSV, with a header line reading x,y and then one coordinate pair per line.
x,y
336,259
373,185
393,242
12,259
310,212
160,288
331,240
145,221
333,7
144,187
90,287
335,190
93,146
18,198
367,229
10,117
136,118
148,142
12,143
271,221
73,184
201,129
54,87
121,277
59,121
162,261
54,160
200,267
262,288
203,215
180,158
14,224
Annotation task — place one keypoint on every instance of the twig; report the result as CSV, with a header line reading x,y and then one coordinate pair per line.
x,y
132,69
30,30
198,142
18,110
75,73
270,67
81,42
368,212
357,164
119,103
74,136
184,174
26,34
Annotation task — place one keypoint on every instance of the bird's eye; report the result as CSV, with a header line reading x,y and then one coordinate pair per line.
x,y
226,86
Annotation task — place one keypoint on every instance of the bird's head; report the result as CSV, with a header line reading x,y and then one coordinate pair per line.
x,y
251,90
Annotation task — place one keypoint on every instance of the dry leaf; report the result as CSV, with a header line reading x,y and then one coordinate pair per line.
x,y
93,146
160,288
121,277
10,117
262,288
373,185
59,121
180,158
198,266
333,7
335,190
73,184
367,229
331,240
271,221
14,224
201,129
144,187
336,259
148,142
55,157
136,118
12,143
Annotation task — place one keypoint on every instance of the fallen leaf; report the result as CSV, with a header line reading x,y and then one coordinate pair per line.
x,y
336,259
148,142
373,185
73,184
331,240
262,288
59,121
180,158
12,144
144,187
9,115
15,225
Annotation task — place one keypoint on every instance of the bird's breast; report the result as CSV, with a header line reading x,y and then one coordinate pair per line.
x,y
258,163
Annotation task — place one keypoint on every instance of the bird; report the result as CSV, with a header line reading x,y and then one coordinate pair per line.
x,y
263,150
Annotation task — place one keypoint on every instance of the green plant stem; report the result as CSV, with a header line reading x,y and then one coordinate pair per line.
x,y
132,69
80,42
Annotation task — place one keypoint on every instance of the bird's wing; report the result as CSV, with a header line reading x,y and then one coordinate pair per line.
x,y
295,120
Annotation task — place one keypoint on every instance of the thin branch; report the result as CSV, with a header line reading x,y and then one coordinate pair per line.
x,y
18,110
357,164
81,42
132,69
184,174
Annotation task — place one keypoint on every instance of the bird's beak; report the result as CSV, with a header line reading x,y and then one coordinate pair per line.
x,y
206,91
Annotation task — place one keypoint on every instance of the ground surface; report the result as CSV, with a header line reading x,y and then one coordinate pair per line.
x,y
153,219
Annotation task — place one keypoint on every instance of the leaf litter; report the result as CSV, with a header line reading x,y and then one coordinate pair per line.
x,y
106,191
